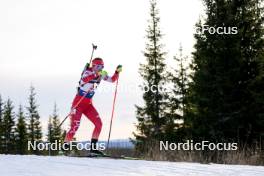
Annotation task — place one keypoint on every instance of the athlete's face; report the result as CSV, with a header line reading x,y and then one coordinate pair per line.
x,y
98,68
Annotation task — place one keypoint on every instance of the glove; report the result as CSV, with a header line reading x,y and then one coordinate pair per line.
x,y
102,73
119,68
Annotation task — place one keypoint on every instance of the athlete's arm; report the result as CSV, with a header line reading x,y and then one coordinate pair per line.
x,y
114,77
111,78
88,76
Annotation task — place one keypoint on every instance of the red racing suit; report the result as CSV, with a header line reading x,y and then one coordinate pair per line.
x,y
83,105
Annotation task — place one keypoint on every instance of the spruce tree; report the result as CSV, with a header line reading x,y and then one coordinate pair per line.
x,y
226,95
177,103
1,125
151,116
49,135
54,131
50,130
21,132
8,128
34,126
57,132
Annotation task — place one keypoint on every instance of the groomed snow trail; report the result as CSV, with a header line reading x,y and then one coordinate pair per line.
x,y
17,165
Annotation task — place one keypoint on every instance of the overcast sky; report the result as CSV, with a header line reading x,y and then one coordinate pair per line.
x,y
46,43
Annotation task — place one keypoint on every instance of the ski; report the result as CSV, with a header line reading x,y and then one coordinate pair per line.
x,y
109,156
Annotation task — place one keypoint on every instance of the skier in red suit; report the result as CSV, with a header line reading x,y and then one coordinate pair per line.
x,y
82,103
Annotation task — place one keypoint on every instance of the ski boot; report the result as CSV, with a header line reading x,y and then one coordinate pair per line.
x,y
94,150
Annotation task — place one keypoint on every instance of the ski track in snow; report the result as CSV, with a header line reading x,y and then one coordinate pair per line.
x,y
18,165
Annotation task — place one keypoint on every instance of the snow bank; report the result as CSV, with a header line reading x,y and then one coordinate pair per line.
x,y
14,165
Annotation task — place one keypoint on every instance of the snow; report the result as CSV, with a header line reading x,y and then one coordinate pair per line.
x,y
14,165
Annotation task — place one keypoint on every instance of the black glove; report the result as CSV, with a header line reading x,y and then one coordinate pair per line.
x,y
118,69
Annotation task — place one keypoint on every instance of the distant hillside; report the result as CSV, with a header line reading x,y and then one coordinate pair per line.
x,y
118,143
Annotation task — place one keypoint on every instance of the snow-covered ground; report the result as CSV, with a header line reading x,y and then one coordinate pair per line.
x,y
15,165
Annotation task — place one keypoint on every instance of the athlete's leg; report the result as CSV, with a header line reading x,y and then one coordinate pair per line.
x,y
91,113
75,118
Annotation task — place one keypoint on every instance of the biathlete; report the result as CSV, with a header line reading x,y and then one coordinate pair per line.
x,y
82,103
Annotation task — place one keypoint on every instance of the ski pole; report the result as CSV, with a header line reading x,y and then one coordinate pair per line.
x,y
94,48
88,64
73,108
112,115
